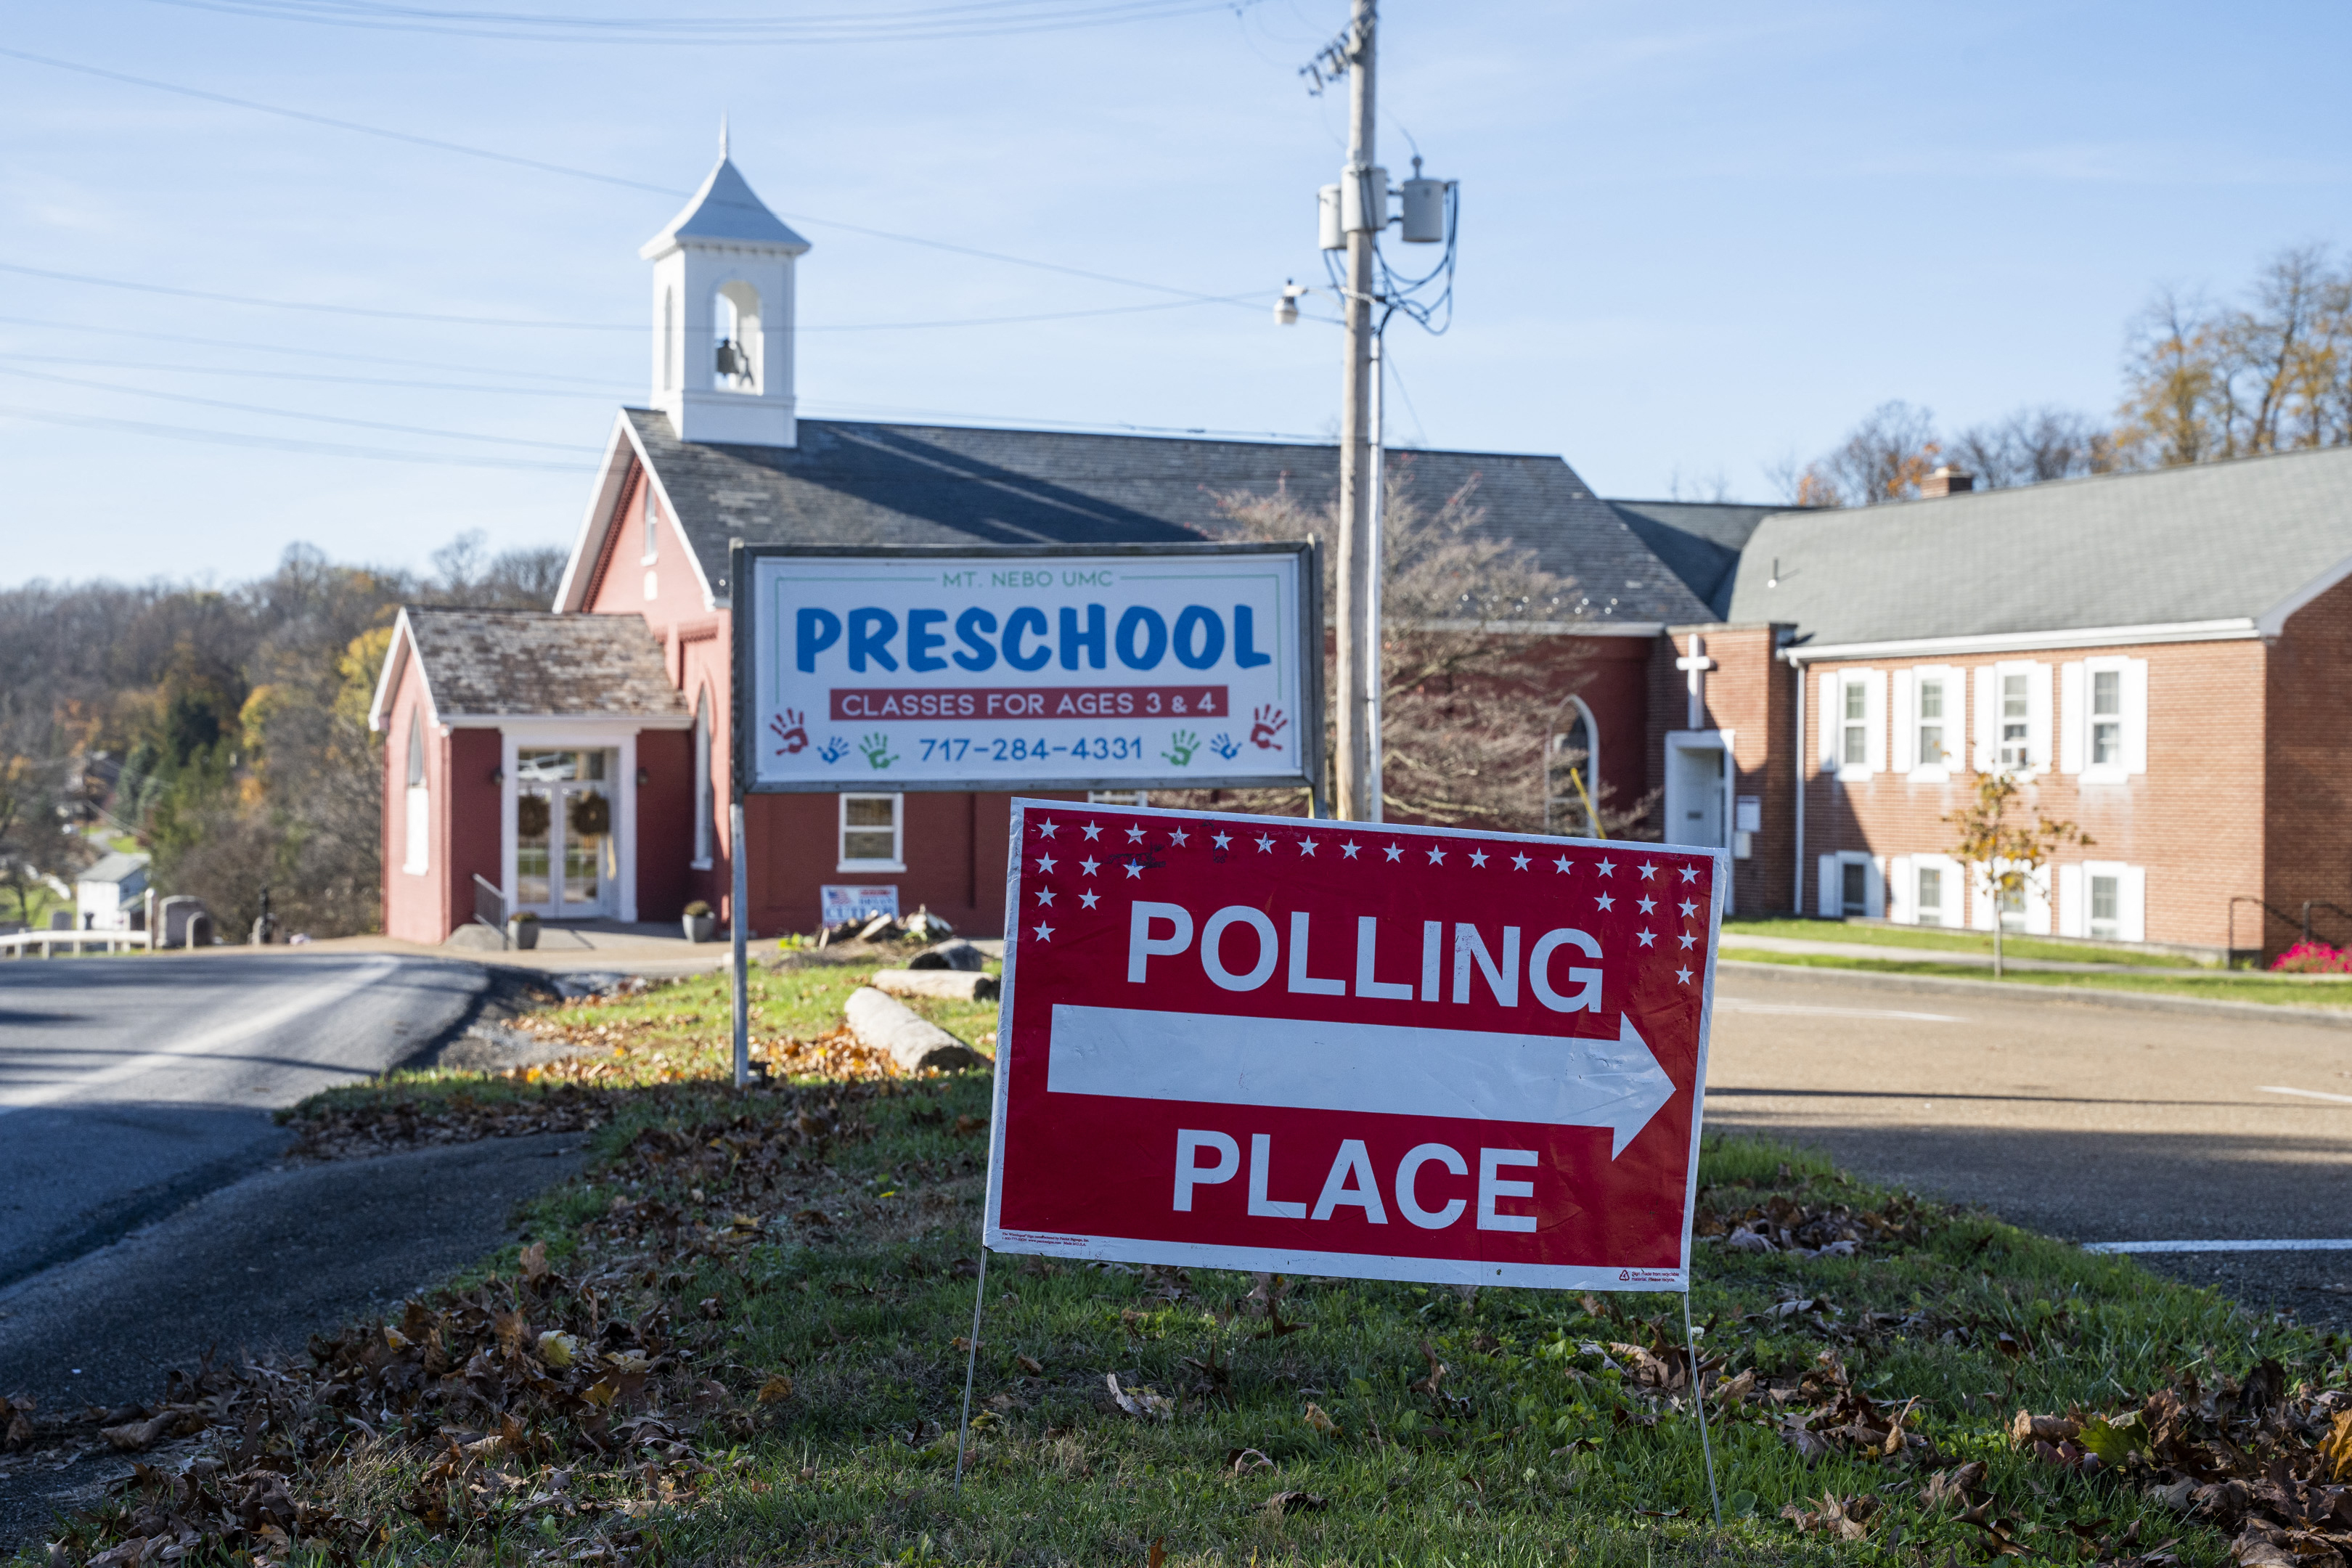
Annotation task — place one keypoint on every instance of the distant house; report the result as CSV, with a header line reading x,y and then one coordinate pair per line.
x,y
112,895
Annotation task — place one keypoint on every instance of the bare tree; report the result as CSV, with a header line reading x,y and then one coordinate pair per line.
x,y
1885,458
2034,446
1468,684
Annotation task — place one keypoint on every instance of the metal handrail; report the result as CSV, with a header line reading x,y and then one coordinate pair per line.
x,y
2281,915
489,896
2311,904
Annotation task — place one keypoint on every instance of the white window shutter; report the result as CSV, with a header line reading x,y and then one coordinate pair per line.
x,y
2136,716
2072,911
1907,732
1874,887
1988,687
1981,901
2037,715
1902,908
2072,723
2131,904
1832,713
1833,888
1874,709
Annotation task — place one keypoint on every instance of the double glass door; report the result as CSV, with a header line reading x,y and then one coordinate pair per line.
x,y
565,861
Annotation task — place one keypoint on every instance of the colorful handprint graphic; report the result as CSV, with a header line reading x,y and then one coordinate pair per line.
x,y
791,732
1268,723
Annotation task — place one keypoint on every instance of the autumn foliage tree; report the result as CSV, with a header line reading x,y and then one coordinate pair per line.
x,y
2009,857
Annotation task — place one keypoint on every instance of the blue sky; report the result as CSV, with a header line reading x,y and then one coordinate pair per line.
x,y
1697,240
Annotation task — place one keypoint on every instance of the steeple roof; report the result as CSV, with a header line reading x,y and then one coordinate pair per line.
x,y
725,210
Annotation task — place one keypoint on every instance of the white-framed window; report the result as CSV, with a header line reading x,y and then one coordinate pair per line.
x,y
1853,882
652,527
2103,899
2104,703
873,832
1572,774
416,839
1853,722
1927,902
1926,725
702,804
1924,890
1933,709
2023,909
2013,717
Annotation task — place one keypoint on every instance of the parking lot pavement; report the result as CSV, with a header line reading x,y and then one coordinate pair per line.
x,y
2086,1120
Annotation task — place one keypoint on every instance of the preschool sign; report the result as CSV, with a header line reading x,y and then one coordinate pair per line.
x,y
1346,1048
1187,666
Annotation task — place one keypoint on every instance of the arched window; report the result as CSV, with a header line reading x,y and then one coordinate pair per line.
x,y
702,779
419,836
1572,773
735,319
669,338
653,524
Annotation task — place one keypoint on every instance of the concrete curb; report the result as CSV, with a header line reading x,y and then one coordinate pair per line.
x,y
2064,995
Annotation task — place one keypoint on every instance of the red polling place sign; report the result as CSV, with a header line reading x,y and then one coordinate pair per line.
x,y
1327,1048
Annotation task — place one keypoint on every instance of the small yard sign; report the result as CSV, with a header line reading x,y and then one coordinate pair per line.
x,y
1184,665
1321,1047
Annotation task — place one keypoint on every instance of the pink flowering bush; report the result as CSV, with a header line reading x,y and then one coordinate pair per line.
x,y
2313,958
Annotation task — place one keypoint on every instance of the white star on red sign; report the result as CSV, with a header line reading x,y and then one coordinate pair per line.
x,y
1648,870
1348,849
1093,830
1683,975
1264,845
1607,868
1221,840
1648,904
1134,834
1306,846
1088,900
1688,938
1089,865
1648,937
1689,908
1690,873
1044,895
1518,862
1177,837
1045,933
1561,865
1436,856
1606,902
1478,857
1134,868
1044,862
1046,829
1394,852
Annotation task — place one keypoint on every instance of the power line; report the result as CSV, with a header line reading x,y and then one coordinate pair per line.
x,y
459,147
294,413
53,325
926,24
309,375
309,305
278,442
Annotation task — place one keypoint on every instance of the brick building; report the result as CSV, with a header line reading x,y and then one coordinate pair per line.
x,y
2159,655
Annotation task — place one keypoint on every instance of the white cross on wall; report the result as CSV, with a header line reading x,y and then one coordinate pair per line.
x,y
1694,666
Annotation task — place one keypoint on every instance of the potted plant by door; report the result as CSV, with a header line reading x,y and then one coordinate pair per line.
x,y
522,930
699,921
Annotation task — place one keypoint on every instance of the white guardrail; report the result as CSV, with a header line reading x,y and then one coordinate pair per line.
x,y
50,943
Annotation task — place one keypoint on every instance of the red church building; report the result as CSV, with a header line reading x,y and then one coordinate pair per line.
x,y
2162,656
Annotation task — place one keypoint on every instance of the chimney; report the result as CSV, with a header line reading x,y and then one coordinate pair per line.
x,y
1947,480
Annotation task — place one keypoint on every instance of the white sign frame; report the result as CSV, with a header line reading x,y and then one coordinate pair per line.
x,y
758,644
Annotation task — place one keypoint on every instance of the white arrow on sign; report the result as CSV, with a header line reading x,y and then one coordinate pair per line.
x,y
1382,1069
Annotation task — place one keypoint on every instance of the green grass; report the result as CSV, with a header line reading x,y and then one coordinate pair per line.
x,y
2325,992
1537,1452
1944,939
1539,1455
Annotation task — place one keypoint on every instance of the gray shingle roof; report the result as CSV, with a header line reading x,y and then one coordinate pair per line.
x,y
513,663
2216,541
1699,541
118,866
856,483
725,208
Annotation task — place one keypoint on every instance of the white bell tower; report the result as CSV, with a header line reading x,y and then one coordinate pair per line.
x,y
723,315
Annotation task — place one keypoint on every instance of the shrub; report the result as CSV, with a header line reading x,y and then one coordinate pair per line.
x,y
2313,958
697,909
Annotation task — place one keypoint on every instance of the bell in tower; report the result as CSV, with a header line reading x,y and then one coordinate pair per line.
x,y
723,315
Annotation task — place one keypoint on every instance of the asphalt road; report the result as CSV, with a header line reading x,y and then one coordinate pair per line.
x,y
2090,1121
130,1086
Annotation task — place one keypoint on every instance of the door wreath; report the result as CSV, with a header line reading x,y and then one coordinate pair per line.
x,y
591,816
530,816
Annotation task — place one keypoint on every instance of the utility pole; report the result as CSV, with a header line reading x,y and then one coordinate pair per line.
x,y
1364,213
